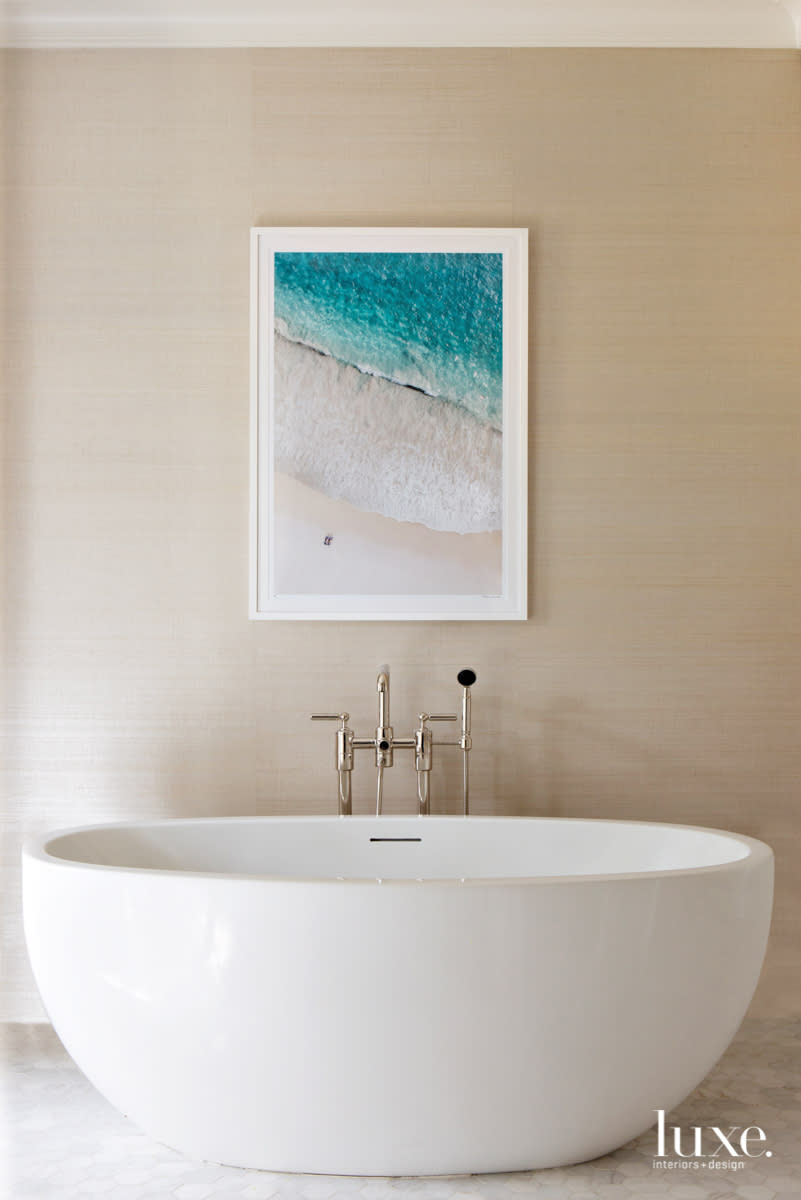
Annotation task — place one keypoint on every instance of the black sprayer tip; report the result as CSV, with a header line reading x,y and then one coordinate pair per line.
x,y
466,677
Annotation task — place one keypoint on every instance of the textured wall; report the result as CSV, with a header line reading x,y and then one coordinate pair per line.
x,y
658,676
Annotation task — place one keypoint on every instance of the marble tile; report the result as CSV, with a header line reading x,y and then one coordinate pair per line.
x,y
65,1142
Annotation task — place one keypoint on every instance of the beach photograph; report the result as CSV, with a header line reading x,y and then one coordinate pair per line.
x,y
387,391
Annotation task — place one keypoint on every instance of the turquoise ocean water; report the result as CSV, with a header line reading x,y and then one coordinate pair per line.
x,y
428,321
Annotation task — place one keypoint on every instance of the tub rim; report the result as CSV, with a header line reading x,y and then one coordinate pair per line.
x,y
35,848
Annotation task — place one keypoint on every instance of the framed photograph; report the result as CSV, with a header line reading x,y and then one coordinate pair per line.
x,y
388,424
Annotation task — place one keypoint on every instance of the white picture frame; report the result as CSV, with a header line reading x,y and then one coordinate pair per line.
x,y
389,472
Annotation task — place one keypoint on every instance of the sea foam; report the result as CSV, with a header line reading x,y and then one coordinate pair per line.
x,y
381,446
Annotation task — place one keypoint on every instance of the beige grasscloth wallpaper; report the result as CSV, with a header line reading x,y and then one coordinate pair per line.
x,y
659,673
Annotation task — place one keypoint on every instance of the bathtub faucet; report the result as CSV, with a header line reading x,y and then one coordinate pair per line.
x,y
384,743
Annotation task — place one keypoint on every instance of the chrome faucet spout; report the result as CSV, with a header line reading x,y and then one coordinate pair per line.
x,y
382,687
383,735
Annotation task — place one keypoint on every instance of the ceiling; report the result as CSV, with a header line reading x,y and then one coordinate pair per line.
x,y
733,23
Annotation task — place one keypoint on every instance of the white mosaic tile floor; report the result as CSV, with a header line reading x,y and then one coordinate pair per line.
x,y
62,1141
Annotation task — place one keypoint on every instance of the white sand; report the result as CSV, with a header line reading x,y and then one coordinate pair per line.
x,y
371,554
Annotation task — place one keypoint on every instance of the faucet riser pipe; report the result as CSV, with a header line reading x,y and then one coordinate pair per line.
x,y
345,794
466,784
424,793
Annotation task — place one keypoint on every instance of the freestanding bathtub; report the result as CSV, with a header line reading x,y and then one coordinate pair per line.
x,y
395,996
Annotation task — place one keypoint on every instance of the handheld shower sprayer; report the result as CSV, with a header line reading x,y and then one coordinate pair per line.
x,y
466,678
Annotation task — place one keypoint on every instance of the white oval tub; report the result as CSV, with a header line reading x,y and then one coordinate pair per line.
x,y
472,995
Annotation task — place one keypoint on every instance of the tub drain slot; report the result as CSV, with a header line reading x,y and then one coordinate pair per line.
x,y
398,839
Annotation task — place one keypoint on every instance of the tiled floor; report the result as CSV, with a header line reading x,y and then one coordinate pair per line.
x,y
64,1142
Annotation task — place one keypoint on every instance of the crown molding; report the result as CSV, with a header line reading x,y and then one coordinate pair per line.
x,y
314,23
